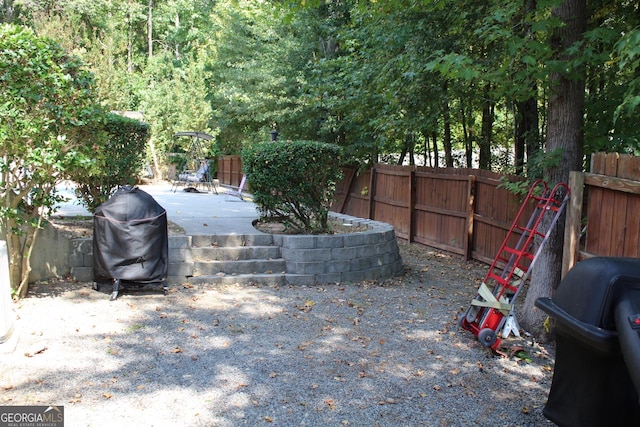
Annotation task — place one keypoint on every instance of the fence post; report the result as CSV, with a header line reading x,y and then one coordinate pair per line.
x,y
412,203
468,239
573,223
372,193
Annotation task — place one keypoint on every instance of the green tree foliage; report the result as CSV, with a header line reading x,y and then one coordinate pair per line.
x,y
118,161
294,180
47,113
466,77
168,86
256,62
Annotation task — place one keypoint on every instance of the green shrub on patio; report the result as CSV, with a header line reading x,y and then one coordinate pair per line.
x,y
119,158
295,181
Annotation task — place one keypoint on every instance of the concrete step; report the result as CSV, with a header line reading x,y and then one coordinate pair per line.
x,y
241,279
255,266
235,253
228,240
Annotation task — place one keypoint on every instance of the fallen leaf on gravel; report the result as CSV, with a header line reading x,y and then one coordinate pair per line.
x,y
176,350
454,371
525,410
107,395
42,350
308,305
268,419
437,388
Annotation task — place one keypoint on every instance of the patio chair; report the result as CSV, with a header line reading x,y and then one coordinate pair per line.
x,y
237,191
191,180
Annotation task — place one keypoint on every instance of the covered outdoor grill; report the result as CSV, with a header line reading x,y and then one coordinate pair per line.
x,y
130,241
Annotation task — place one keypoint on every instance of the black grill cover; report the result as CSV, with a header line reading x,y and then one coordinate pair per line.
x,y
130,238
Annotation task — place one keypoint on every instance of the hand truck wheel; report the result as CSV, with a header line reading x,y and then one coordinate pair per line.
x,y
487,337
463,322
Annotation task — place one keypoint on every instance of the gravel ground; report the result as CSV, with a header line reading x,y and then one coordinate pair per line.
x,y
367,354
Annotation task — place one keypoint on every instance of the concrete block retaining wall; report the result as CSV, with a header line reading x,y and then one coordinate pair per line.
x,y
368,255
180,259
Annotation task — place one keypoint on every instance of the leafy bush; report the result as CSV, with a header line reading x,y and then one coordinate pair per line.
x,y
119,161
48,109
294,180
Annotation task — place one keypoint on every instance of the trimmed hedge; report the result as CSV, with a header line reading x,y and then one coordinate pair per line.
x,y
119,159
294,181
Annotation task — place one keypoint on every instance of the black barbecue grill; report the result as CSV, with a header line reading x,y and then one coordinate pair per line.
x,y
130,241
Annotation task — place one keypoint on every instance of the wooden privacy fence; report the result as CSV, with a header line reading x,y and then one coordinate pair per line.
x,y
230,170
463,211
603,218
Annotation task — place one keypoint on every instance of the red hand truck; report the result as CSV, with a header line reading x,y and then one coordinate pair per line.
x,y
510,269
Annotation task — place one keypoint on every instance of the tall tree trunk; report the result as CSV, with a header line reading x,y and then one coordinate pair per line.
x,y
565,137
467,132
436,155
176,23
487,130
8,11
408,148
427,150
448,157
130,36
412,148
527,133
518,139
150,29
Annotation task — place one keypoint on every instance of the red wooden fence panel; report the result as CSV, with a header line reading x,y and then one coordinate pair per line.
x,y
230,170
391,198
495,209
441,211
357,199
613,202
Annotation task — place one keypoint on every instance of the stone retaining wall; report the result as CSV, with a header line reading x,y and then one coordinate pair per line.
x,y
368,255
